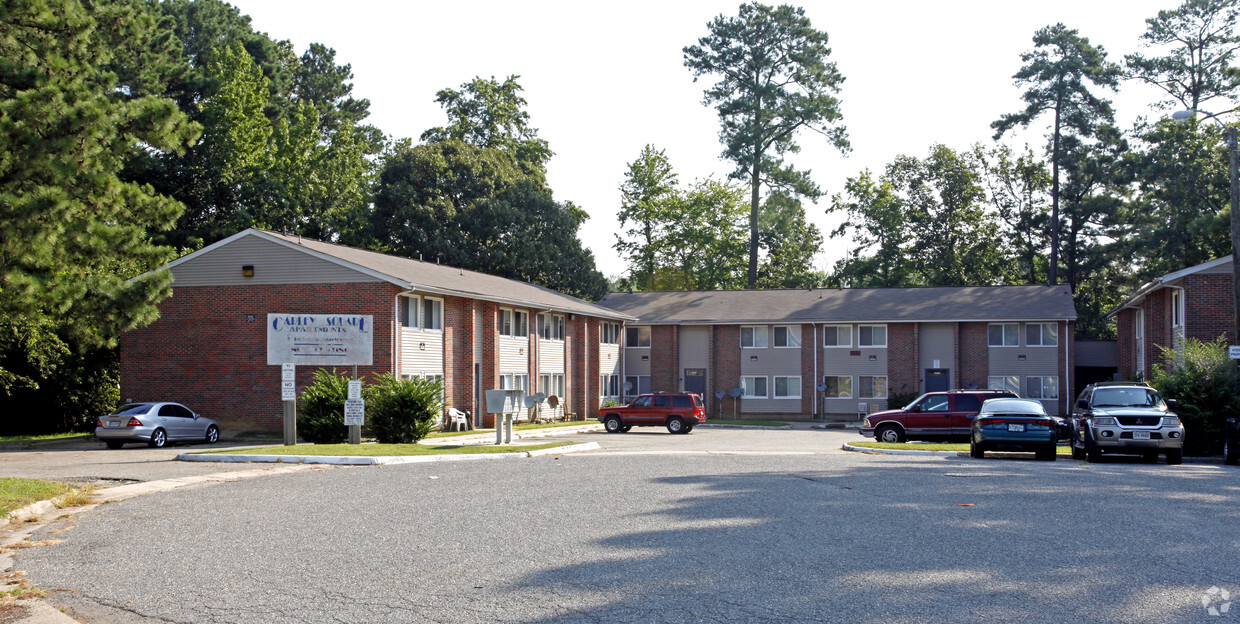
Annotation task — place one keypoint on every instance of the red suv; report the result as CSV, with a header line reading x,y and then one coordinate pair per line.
x,y
680,413
933,415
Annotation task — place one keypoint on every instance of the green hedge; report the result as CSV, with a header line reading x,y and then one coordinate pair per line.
x,y
1204,382
320,411
403,411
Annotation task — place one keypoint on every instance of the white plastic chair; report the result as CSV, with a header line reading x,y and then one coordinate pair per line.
x,y
460,420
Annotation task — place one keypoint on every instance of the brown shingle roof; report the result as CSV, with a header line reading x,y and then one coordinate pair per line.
x,y
947,303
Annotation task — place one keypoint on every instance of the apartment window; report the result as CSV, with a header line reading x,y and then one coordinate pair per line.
x,y
551,384
872,386
753,337
432,314
515,381
872,336
430,310
1042,387
514,323
1004,335
755,387
788,337
636,384
787,387
1177,307
637,337
1041,335
1011,383
609,333
551,326
837,336
609,385
837,387
409,312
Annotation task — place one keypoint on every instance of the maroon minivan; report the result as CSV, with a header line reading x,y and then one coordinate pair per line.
x,y
679,412
934,415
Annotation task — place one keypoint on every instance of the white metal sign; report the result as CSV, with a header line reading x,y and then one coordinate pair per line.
x,y
320,339
354,412
288,371
355,390
1234,352
288,390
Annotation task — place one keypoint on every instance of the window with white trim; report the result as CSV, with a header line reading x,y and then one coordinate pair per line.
x,y
1003,335
638,384
872,386
787,336
753,337
609,385
550,326
409,312
432,314
1177,307
838,336
872,336
755,387
838,386
429,311
1011,383
1042,387
636,337
514,323
609,333
551,384
787,387
515,381
1041,334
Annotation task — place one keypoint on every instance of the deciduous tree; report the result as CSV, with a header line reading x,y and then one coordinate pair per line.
x,y
647,197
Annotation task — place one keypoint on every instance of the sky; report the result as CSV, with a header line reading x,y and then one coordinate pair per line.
x,y
602,80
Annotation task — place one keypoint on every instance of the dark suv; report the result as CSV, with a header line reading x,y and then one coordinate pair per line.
x,y
679,412
933,415
1125,417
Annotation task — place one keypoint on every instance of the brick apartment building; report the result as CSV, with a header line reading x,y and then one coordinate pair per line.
x,y
844,351
1196,302
471,330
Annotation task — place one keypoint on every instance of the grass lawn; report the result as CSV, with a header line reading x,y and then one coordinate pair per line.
x,y
385,450
526,427
929,446
47,437
17,493
747,423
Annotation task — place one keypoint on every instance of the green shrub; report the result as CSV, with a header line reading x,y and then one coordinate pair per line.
x,y
900,398
1205,383
610,403
403,411
320,413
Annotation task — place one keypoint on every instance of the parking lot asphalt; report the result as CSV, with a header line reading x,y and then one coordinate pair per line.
x,y
719,525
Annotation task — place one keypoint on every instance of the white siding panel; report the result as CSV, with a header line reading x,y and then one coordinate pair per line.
x,y
273,264
511,357
694,347
550,356
771,406
421,352
609,360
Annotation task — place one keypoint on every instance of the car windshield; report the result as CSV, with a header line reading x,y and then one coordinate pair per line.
x,y
132,408
1127,397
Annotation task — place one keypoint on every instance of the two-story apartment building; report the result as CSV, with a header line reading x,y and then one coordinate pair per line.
x,y
845,351
1196,302
471,330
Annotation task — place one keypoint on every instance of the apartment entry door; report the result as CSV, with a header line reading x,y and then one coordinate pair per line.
x,y
938,379
695,382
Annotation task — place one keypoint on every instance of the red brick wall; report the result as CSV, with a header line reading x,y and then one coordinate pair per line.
x,y
974,354
203,352
902,355
726,363
459,387
1157,326
1125,334
808,383
1209,307
665,358
593,400
1066,332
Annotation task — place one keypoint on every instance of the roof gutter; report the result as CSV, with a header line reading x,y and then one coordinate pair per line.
x,y
1137,296
619,316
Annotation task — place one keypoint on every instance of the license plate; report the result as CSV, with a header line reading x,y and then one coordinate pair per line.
x,y
1140,435
114,423
1015,427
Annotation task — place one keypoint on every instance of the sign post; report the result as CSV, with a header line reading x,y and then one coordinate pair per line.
x,y
288,394
355,410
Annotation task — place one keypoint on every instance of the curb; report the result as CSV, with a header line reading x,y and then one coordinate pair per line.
x,y
878,451
710,425
337,460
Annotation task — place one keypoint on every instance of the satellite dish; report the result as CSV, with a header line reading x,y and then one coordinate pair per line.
x,y
554,401
736,392
628,385
538,398
530,401
822,386
719,394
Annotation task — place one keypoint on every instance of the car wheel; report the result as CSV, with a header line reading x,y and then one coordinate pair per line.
x,y
1077,453
114,444
889,433
625,429
675,425
613,424
976,451
159,439
688,428
1046,454
1150,457
1175,456
213,434
1093,454
1231,452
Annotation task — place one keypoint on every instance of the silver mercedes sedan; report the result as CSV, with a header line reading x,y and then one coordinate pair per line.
x,y
156,424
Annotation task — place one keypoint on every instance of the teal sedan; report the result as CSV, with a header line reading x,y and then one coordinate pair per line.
x,y
1014,425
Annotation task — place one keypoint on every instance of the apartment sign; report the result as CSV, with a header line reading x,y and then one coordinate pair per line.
x,y
320,339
